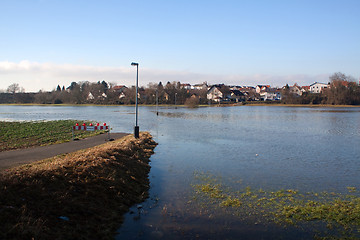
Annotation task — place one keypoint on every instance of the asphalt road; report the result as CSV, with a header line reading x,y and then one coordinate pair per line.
x,y
23,156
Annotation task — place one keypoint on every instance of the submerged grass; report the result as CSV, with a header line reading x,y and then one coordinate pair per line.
x,y
16,135
81,195
339,214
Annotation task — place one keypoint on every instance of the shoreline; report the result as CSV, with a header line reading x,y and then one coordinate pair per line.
x,y
184,106
80,195
301,105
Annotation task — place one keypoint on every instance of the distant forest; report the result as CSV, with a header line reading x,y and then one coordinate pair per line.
x,y
342,90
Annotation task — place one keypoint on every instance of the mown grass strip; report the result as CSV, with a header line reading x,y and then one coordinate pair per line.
x,y
17,135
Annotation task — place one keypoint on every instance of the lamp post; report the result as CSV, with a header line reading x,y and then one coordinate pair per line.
x,y
175,100
157,102
136,129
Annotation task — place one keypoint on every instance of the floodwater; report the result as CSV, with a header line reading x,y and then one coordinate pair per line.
x,y
267,147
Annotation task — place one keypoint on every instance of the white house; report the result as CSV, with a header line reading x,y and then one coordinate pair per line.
x,y
122,95
262,88
214,94
318,87
200,86
270,96
296,89
90,96
218,93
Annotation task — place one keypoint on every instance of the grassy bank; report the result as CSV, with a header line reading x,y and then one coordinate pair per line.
x,y
16,135
81,195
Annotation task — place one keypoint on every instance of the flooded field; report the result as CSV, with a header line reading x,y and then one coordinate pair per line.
x,y
230,172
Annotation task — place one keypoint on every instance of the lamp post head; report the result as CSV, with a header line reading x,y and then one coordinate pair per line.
x,y
134,64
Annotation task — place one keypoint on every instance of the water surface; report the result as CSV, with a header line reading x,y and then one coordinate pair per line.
x,y
268,147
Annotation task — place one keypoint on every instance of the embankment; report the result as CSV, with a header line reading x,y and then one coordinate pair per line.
x,y
82,195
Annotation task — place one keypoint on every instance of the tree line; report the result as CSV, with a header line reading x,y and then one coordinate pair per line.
x,y
105,93
343,90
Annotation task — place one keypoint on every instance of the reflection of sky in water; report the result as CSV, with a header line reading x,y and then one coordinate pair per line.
x,y
289,146
306,147
310,149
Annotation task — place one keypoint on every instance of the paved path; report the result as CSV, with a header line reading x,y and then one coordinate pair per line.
x,y
22,156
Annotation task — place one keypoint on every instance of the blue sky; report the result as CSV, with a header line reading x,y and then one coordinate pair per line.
x,y
49,42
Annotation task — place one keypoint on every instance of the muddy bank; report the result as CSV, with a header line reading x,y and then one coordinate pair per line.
x,y
82,195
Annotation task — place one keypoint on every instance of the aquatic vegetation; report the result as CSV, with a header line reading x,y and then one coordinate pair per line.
x,y
15,135
230,202
339,213
352,189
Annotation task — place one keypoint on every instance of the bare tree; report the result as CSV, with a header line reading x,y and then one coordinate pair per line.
x,y
343,90
14,88
339,76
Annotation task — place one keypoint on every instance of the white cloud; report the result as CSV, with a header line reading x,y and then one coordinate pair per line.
x,y
34,76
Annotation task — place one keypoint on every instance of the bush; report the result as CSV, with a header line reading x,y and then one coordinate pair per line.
x,y
192,102
58,101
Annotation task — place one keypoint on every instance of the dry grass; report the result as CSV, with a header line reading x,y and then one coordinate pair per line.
x,y
82,195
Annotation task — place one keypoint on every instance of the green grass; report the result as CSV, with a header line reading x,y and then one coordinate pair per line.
x,y
18,135
339,213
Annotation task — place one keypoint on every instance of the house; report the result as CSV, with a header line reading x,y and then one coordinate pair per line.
x,y
166,96
247,89
296,89
186,86
271,95
219,93
317,87
262,88
90,97
305,89
250,93
119,89
236,96
122,95
200,86
267,93
235,87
